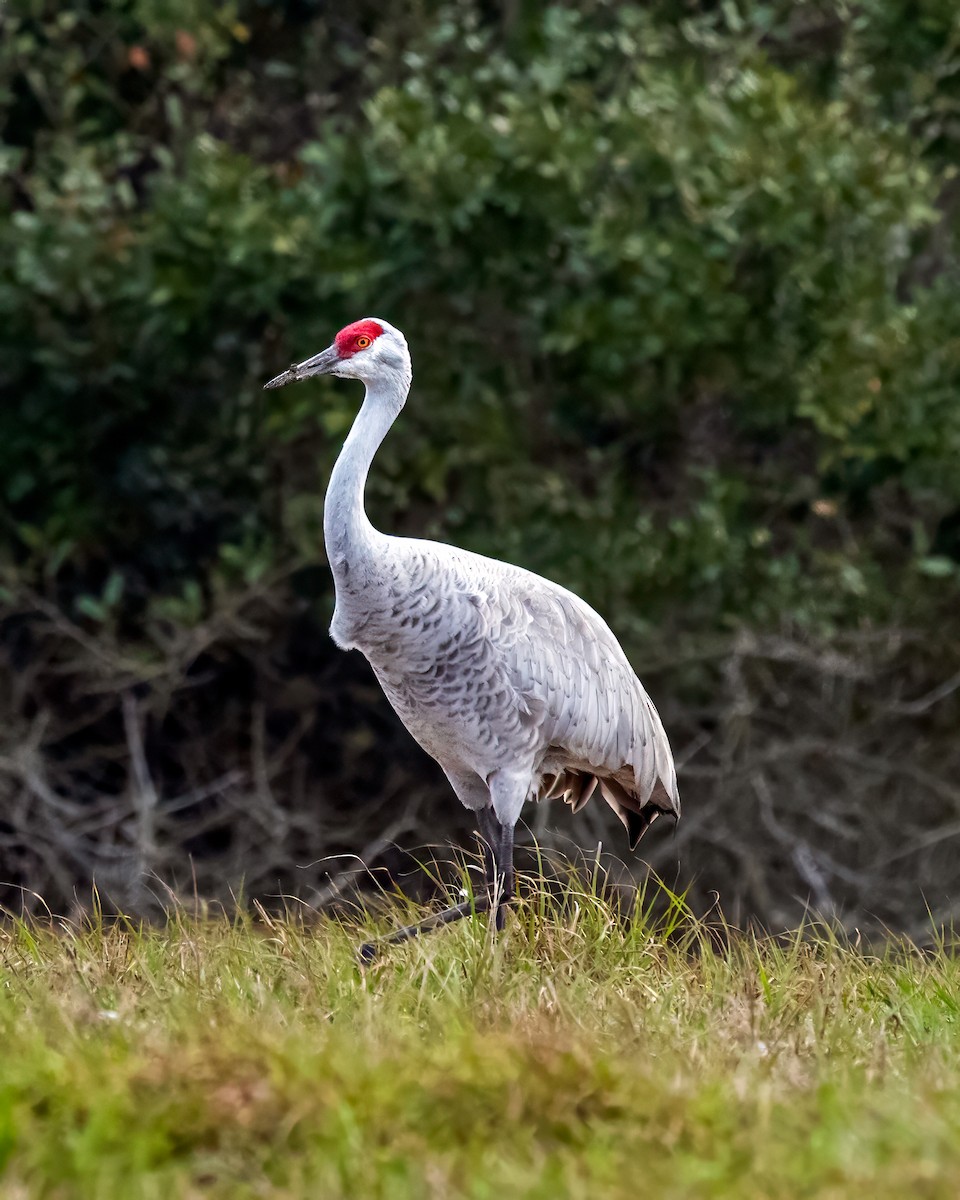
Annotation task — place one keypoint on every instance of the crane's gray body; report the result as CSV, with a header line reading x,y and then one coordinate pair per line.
x,y
513,684
502,675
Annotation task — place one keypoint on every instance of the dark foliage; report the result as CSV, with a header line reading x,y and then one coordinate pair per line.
x,y
680,284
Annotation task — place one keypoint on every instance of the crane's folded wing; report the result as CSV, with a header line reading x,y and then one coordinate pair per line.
x,y
578,686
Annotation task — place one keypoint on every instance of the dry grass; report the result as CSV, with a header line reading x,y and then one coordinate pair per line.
x,y
578,1055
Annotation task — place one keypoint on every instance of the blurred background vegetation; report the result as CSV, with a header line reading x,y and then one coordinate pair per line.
x,y
680,283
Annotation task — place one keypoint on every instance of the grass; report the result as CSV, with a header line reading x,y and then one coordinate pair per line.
x,y
576,1055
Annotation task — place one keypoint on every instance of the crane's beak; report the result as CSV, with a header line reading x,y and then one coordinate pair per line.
x,y
321,364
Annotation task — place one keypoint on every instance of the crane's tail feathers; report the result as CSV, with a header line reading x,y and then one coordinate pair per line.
x,y
583,789
636,817
577,787
637,823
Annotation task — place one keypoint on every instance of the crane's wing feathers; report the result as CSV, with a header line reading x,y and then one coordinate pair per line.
x,y
598,724
494,668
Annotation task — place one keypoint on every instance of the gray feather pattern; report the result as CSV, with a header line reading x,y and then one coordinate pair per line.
x,y
493,668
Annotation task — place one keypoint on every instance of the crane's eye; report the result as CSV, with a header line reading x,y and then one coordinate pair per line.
x,y
363,341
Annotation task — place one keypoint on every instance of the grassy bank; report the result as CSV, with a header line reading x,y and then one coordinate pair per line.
x,y
575,1056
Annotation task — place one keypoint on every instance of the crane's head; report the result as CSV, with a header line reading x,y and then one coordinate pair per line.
x,y
369,349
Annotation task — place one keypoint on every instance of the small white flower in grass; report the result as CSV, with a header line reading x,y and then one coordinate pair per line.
x,y
108,1014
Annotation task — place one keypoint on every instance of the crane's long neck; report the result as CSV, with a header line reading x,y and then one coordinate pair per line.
x,y
347,533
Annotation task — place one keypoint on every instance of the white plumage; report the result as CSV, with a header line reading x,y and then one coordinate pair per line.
x,y
513,684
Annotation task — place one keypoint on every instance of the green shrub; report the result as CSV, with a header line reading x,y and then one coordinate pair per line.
x,y
652,271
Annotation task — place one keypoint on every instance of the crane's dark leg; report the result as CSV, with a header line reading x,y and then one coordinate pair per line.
x,y
498,861
499,889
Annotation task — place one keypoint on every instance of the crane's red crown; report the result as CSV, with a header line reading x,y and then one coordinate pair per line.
x,y
356,337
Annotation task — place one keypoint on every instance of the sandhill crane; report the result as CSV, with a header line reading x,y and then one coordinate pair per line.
x,y
513,684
